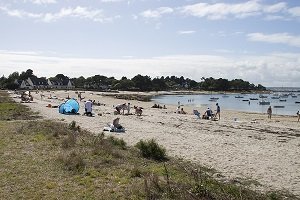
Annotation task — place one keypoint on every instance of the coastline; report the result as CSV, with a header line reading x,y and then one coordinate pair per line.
x,y
251,147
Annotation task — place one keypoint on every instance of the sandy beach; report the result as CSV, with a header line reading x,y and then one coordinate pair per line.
x,y
239,146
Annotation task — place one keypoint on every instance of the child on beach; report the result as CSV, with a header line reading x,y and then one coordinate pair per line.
x,y
269,112
218,111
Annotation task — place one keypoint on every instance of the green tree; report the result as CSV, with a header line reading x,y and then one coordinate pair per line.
x,y
159,84
143,83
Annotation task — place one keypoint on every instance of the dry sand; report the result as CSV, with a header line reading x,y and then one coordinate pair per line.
x,y
252,147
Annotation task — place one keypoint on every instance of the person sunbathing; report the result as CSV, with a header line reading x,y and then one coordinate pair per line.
x,y
116,123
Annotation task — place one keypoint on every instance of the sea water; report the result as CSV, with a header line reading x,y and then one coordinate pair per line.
x,y
230,102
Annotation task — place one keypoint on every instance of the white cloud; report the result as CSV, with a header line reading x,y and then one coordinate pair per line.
x,y
295,11
275,8
186,32
111,1
279,38
239,10
157,13
19,13
43,1
77,12
40,2
264,69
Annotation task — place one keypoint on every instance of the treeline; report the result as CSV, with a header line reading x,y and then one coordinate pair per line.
x,y
141,83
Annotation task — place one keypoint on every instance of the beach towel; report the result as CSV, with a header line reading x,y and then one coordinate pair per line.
x,y
112,128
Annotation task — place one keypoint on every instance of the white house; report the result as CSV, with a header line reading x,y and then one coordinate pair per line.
x,y
61,84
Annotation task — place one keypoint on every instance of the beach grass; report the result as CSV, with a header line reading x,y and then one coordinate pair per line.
x,y
43,159
9,110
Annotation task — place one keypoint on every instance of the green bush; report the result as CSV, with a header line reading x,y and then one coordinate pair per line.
x,y
150,149
117,142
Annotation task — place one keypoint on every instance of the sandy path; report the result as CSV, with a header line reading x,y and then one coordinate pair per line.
x,y
252,147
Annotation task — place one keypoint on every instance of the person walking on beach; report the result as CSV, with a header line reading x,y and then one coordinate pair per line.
x,y
218,111
269,112
298,114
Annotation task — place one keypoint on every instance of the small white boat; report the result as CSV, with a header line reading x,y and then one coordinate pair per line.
x,y
263,96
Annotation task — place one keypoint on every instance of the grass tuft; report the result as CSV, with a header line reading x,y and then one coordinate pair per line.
x,y
73,161
150,149
117,142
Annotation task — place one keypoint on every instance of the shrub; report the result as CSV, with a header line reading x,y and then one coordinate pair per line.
x,y
73,162
69,141
150,149
117,142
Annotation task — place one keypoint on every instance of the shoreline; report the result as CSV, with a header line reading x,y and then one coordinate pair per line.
x,y
252,147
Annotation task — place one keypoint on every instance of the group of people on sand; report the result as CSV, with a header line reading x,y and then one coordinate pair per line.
x,y
159,106
122,107
208,114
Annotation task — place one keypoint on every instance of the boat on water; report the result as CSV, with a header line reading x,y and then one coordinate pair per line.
x,y
225,96
283,100
239,97
276,97
253,99
283,95
278,106
263,96
264,103
294,96
214,98
245,100
297,101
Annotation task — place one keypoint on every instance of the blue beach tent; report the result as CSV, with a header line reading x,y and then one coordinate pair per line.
x,y
71,106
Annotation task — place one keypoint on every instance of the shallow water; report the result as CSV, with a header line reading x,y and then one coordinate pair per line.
x,y
230,102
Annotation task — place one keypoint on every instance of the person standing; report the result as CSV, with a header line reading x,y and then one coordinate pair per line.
x,y
269,112
218,111
88,108
128,108
298,114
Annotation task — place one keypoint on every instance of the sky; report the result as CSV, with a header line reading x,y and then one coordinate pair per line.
x,y
256,40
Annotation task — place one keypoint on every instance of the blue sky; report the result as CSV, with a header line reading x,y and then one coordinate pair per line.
x,y
257,40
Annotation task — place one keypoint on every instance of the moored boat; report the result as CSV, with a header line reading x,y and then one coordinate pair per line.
x,y
239,96
264,103
278,106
